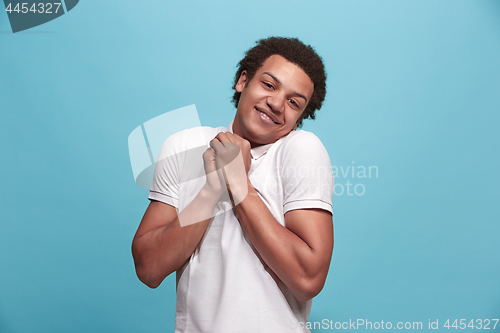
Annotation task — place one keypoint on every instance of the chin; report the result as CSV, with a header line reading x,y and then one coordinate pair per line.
x,y
255,134
256,139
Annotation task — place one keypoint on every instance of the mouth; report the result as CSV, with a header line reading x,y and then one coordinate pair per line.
x,y
267,116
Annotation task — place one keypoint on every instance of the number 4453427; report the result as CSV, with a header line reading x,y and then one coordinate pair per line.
x,y
477,324
46,8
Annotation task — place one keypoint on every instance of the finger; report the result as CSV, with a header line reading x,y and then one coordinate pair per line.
x,y
209,160
222,137
206,155
237,136
216,144
227,137
232,138
240,139
243,143
209,154
236,139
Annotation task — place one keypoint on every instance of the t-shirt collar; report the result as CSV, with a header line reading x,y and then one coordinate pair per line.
x,y
256,152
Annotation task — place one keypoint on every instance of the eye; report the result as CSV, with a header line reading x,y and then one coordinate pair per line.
x,y
268,85
293,103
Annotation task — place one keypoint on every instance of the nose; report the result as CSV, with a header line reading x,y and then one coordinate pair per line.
x,y
276,103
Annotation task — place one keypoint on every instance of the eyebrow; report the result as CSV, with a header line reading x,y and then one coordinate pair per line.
x,y
279,82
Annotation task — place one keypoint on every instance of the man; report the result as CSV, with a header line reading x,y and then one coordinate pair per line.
x,y
254,262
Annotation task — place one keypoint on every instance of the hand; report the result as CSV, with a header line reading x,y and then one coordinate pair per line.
x,y
233,159
235,139
215,180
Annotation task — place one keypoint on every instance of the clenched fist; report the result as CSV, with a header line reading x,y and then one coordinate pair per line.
x,y
215,179
232,159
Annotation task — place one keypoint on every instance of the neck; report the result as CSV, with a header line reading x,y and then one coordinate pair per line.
x,y
237,127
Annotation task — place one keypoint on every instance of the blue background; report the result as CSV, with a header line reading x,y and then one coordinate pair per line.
x,y
413,88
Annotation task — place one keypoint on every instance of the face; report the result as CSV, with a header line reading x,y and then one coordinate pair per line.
x,y
272,102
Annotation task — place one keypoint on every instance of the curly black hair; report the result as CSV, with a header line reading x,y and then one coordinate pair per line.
x,y
294,51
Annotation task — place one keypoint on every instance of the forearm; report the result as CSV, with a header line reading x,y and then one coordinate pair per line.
x,y
301,268
163,250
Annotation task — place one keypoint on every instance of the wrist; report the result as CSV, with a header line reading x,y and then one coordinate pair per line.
x,y
240,190
209,194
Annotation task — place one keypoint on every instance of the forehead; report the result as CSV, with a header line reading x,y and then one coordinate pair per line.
x,y
289,74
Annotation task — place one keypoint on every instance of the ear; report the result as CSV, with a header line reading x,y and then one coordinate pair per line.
x,y
242,82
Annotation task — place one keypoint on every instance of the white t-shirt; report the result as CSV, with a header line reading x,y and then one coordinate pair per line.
x,y
224,287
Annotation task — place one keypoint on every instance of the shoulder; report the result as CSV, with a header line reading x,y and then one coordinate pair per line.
x,y
303,149
302,141
188,139
194,135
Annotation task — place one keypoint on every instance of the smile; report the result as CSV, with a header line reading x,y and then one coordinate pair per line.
x,y
266,117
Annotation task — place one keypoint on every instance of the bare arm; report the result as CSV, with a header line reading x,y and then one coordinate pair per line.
x,y
161,244
300,253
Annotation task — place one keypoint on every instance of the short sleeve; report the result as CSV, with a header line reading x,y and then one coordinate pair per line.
x,y
165,185
179,173
307,173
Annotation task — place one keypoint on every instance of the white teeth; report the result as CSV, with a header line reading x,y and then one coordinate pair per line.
x,y
266,117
